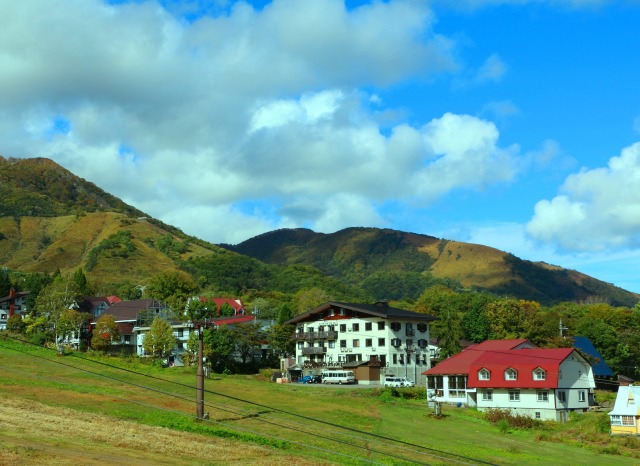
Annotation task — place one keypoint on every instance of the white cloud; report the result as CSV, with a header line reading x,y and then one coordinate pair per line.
x,y
493,69
188,120
597,210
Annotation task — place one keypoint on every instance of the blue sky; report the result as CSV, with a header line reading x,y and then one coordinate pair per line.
x,y
509,123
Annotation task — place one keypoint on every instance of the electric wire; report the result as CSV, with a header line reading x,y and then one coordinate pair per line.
x,y
213,421
429,451
350,429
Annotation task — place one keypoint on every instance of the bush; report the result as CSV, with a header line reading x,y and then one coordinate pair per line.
x,y
519,421
603,423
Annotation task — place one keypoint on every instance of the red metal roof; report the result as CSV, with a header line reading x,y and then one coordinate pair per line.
x,y
459,363
524,362
241,319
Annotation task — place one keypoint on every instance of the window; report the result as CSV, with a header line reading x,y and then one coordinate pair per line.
x,y
343,343
310,329
381,342
332,343
180,333
539,374
380,325
395,359
355,327
401,358
300,344
321,328
483,374
368,326
510,374
356,343
562,397
543,395
582,396
395,326
623,421
343,327
422,327
487,395
368,342
514,395
537,414
127,339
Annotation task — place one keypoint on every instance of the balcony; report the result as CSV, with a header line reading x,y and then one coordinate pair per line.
x,y
306,336
314,350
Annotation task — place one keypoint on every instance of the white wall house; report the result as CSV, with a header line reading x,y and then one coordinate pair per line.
x,y
545,384
344,334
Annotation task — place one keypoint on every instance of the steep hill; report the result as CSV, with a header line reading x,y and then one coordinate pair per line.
x,y
371,257
52,220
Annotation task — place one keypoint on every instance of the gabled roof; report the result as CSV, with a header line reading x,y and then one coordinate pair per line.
x,y
458,364
128,310
379,309
627,401
524,362
600,367
236,304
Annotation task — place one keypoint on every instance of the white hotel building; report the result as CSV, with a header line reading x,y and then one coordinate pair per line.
x,y
347,335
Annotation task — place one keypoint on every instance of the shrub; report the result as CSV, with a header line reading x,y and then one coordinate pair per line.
x,y
603,423
519,421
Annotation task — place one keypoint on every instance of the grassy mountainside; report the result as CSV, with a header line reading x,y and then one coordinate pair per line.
x,y
51,219
354,255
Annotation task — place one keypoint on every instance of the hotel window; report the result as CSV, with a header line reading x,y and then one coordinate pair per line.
x,y
510,374
343,343
343,327
300,344
487,395
582,396
368,326
381,342
321,328
395,359
401,358
332,343
514,395
543,395
310,329
356,327
483,374
368,342
381,325
539,374
356,343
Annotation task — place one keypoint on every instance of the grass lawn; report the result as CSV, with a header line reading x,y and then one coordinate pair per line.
x,y
255,421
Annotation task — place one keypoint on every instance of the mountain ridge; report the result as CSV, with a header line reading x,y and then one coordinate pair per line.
x,y
50,220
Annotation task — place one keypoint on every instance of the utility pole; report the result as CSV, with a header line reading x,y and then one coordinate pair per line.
x,y
562,329
200,377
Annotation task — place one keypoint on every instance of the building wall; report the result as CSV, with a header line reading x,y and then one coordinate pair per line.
x,y
354,342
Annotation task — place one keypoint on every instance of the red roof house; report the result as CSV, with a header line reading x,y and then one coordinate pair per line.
x,y
514,375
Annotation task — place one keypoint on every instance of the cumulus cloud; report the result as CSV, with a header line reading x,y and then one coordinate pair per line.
x,y
191,119
597,209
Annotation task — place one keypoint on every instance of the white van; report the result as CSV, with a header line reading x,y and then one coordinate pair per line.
x,y
398,382
338,376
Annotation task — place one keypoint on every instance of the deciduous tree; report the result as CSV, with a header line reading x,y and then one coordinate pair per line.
x,y
159,340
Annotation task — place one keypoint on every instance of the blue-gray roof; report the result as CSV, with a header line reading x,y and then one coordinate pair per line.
x,y
600,367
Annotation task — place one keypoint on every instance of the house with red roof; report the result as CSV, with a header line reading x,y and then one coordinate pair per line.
x,y
541,383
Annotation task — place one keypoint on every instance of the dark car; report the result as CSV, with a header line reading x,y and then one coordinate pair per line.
x,y
311,378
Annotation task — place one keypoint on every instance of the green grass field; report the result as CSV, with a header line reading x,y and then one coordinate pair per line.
x,y
136,411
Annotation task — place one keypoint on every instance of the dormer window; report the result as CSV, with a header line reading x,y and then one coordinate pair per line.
x,y
484,374
511,374
539,374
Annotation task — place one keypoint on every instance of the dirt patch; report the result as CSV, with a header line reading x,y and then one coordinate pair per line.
x,y
33,433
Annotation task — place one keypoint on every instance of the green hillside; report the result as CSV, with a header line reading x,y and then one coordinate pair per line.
x,y
52,220
371,258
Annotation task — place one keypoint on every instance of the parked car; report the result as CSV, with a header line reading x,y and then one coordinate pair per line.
x,y
310,378
398,382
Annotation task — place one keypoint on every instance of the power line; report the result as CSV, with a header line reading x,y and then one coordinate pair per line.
x,y
429,451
